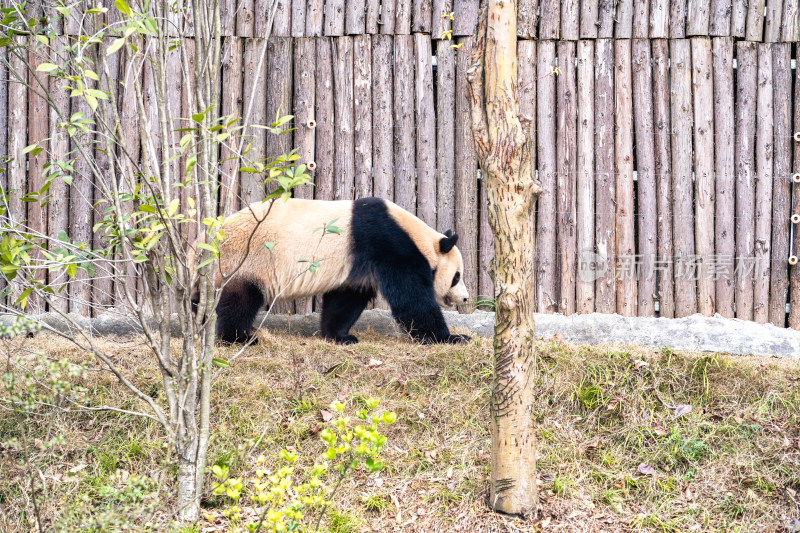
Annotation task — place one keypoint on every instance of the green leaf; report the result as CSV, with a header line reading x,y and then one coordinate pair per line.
x,y
46,67
222,363
115,46
23,298
198,117
123,7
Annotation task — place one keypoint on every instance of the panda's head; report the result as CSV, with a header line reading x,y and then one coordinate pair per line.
x,y
448,276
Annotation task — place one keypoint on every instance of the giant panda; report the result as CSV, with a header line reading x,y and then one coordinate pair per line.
x,y
375,246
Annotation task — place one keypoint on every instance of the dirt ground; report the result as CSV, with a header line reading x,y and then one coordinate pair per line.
x,y
630,439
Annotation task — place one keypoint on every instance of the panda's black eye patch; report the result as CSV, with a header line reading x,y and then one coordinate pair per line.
x,y
456,279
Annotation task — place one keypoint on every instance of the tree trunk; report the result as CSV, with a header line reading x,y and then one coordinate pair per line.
x,y
504,153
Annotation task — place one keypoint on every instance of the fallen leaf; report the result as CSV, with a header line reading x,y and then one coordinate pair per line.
x,y
593,443
646,470
682,409
689,495
613,403
430,455
332,368
76,469
374,362
639,364
660,430
326,415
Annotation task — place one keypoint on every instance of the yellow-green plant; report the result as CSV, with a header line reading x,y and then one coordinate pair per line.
x,y
289,497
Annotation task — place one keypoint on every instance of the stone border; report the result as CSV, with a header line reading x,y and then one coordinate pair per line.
x,y
693,333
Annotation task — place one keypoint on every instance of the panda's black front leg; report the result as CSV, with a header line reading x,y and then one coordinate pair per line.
x,y
414,307
236,310
340,310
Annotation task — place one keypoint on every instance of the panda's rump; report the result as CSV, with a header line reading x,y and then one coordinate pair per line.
x,y
290,256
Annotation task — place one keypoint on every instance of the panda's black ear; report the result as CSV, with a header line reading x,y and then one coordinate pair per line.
x,y
446,243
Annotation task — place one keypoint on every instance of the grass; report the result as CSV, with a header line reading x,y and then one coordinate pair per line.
x,y
731,463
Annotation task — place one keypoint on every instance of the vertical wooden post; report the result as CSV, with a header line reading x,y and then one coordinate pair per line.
x,y
547,296
441,20
231,106
299,18
698,17
245,18
725,181
343,134
304,134
334,18
252,185
703,90
739,18
567,174
355,19
764,177
646,222
641,19
527,17
659,19
720,19
404,147
445,134
626,270
387,16
402,17
605,181
37,133
663,168
466,182
682,189
772,28
314,18
781,191
790,30
794,270
754,29
362,102
550,19
746,100
623,25
281,24
425,129
570,20
584,192
4,141
590,17
324,143
383,115
372,16
421,17
466,17
606,22
677,19
58,207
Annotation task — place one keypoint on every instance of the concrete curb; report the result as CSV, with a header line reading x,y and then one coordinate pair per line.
x,y
694,333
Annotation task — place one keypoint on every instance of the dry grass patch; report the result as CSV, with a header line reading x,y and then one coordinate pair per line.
x,y
630,440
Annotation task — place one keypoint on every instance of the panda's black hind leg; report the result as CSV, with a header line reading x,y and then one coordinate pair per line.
x,y
340,310
237,308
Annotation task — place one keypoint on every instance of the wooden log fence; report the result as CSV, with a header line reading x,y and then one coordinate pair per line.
x,y
661,131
